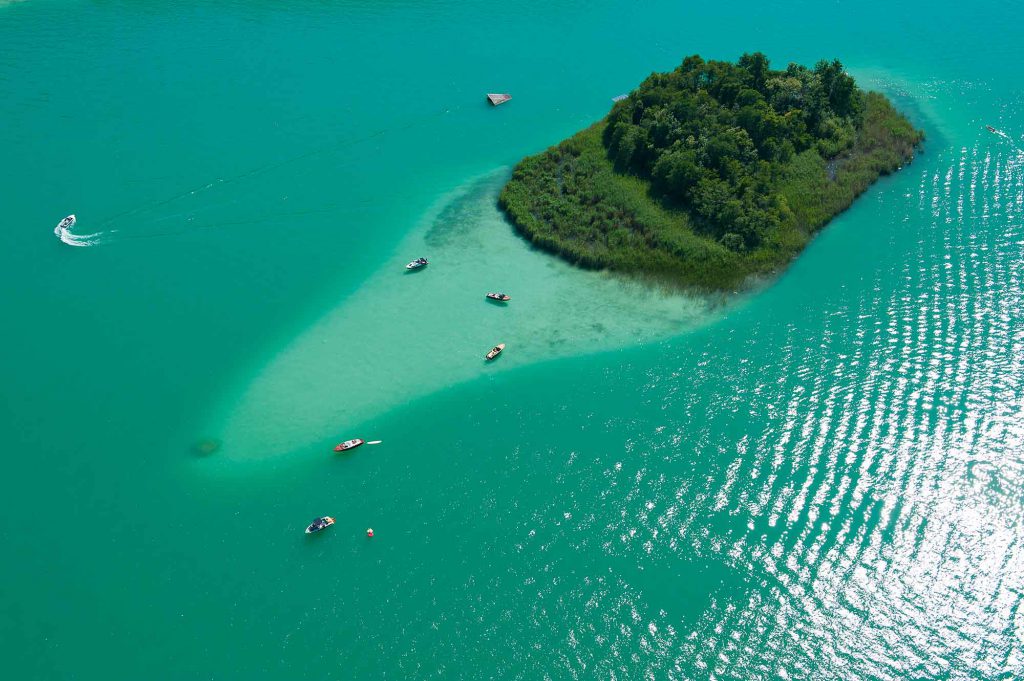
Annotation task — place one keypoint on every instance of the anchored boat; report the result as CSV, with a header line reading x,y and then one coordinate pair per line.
x,y
495,351
349,444
500,297
319,524
417,263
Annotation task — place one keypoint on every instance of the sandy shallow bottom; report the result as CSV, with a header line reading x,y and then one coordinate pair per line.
x,y
405,334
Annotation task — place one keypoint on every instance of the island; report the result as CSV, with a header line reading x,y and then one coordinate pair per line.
x,y
710,175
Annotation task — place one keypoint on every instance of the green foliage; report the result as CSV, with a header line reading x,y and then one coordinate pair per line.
x,y
711,172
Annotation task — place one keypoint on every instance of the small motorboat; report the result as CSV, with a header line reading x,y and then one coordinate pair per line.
x,y
349,444
987,127
500,297
319,524
495,351
66,223
417,263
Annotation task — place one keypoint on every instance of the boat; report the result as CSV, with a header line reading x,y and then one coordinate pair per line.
x,y
495,351
987,127
349,444
500,297
417,263
319,524
497,98
66,223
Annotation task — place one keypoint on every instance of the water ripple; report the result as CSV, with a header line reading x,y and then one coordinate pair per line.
x,y
868,509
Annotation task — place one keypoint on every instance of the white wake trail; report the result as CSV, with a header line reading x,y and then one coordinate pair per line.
x,y
79,240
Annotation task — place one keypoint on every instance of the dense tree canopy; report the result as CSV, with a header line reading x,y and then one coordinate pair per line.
x,y
736,159
713,136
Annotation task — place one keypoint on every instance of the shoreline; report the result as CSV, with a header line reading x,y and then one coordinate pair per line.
x,y
586,202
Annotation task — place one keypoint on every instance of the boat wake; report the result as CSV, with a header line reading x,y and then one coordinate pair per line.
x,y
198,208
79,240
1000,133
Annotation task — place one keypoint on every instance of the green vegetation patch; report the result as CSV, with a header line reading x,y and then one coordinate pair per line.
x,y
710,173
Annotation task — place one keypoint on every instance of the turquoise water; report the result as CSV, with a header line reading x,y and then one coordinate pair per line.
x,y
821,479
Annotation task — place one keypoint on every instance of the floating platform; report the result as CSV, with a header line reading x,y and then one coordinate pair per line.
x,y
497,99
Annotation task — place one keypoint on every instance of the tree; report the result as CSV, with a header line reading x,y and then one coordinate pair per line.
x,y
629,149
710,196
730,144
716,137
734,242
676,173
661,126
785,93
756,65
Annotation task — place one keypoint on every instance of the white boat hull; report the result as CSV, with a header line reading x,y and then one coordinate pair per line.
x,y
66,223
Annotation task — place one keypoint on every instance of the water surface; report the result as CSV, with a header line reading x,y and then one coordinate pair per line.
x,y
822,481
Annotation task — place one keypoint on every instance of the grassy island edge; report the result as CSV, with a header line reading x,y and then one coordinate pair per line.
x,y
574,201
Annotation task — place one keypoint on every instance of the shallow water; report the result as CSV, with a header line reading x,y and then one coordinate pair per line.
x,y
405,334
822,480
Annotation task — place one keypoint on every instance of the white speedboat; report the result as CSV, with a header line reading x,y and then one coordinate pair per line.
x,y
417,263
319,524
66,223
349,444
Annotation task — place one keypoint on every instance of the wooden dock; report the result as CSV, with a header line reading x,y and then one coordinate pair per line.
x,y
497,99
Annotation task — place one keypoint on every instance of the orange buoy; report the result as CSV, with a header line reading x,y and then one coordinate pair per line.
x,y
369,532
